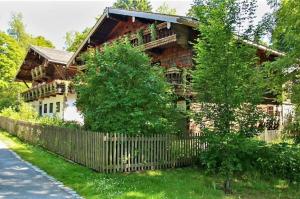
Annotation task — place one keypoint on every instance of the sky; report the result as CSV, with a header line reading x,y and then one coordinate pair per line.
x,y
52,19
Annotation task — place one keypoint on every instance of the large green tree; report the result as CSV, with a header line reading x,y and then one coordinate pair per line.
x,y
10,58
228,82
73,39
285,70
226,75
122,93
11,55
138,5
13,47
17,30
165,9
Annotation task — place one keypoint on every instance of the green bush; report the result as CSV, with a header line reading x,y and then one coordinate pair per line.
x,y
233,154
229,154
121,92
281,160
292,129
25,112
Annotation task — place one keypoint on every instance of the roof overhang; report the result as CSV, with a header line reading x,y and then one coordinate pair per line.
x,y
187,21
24,69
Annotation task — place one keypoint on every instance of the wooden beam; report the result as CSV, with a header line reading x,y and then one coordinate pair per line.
x,y
25,84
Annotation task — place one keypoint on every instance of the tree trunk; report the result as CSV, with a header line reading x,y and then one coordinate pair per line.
x,y
227,186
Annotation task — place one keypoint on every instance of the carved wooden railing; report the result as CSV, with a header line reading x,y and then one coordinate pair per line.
x,y
164,35
38,72
56,87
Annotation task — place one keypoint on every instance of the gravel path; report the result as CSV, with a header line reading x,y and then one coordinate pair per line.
x,y
19,179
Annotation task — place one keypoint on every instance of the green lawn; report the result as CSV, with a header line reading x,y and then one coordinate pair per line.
x,y
174,183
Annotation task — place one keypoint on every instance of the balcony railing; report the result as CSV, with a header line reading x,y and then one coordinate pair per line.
x,y
46,90
38,73
163,36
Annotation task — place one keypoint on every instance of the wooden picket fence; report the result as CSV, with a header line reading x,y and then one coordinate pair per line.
x,y
108,153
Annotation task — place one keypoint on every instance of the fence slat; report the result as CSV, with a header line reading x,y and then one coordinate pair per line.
x,y
110,152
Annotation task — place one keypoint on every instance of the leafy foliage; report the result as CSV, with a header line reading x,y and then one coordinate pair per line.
x,y
225,65
228,82
17,30
246,155
25,112
292,129
12,51
138,5
122,93
165,9
74,39
10,58
285,37
240,153
281,160
41,41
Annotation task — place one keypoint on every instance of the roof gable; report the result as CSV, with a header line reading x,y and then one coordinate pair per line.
x,y
53,55
100,30
40,55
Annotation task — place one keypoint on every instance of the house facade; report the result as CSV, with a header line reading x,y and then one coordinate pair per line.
x,y
168,39
50,91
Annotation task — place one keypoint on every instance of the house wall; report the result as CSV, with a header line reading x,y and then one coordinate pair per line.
x,y
125,27
66,109
175,56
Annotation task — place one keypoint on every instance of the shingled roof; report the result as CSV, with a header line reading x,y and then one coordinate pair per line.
x,y
32,60
183,20
53,55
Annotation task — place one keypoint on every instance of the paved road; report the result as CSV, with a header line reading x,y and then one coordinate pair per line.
x,y
19,179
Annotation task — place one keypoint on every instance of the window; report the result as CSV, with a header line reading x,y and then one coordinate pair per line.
x,y
45,108
51,108
270,110
57,107
40,109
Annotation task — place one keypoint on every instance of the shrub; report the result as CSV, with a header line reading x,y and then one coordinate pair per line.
x,y
233,154
25,112
292,129
229,154
121,92
281,160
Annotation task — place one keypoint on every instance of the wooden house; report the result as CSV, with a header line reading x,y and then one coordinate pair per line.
x,y
167,39
50,90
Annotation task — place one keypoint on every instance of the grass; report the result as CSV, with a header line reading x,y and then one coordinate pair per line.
x,y
186,183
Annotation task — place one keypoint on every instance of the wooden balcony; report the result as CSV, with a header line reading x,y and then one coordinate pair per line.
x,y
164,36
46,90
39,73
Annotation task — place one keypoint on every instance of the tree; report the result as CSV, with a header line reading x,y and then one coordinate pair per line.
x,y
227,79
138,5
165,9
10,58
13,48
122,93
41,41
286,37
74,39
225,65
11,55
18,31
